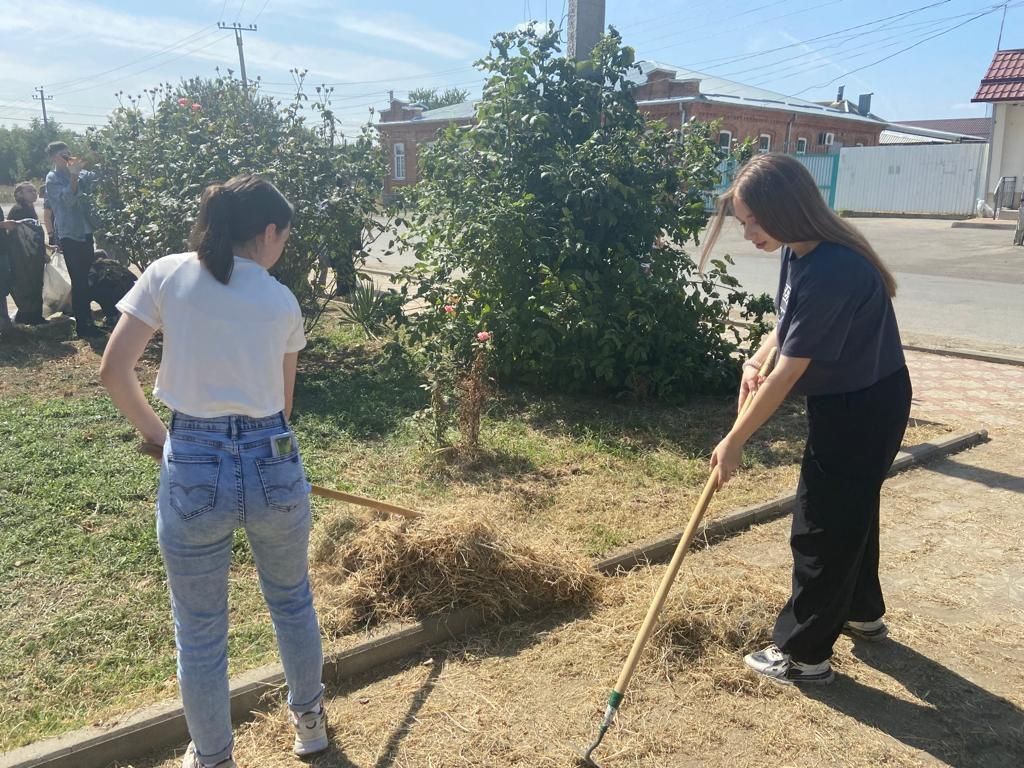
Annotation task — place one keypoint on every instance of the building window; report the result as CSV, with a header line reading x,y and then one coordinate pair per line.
x,y
826,139
399,162
764,143
801,146
725,140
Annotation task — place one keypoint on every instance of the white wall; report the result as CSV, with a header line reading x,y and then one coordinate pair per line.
x,y
936,179
1008,144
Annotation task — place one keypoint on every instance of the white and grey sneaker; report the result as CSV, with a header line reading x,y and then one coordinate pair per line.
x,y
310,732
871,631
780,668
192,760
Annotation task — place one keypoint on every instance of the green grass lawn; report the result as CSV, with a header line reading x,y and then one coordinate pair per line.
x,y
85,629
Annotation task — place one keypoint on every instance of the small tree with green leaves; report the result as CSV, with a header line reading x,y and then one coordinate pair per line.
x,y
558,222
155,162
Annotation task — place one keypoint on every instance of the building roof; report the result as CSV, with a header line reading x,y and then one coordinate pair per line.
x,y
721,91
1004,80
712,89
888,137
927,135
975,127
465,111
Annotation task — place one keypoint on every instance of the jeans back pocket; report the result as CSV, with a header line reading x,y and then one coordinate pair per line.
x,y
192,483
284,481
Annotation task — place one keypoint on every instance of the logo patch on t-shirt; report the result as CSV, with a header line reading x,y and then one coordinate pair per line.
x,y
784,302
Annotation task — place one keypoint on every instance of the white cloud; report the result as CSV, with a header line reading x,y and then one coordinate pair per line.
x,y
409,32
165,44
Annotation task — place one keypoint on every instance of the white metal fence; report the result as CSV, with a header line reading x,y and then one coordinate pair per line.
x,y
939,179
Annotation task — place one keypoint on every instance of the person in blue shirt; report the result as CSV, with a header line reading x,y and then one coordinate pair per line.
x,y
66,186
839,346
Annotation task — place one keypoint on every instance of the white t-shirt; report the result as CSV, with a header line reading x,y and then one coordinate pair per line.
x,y
224,345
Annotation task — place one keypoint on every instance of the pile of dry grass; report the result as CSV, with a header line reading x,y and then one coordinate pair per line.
x,y
713,619
395,570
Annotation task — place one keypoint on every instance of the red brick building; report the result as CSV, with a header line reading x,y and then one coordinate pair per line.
x,y
674,95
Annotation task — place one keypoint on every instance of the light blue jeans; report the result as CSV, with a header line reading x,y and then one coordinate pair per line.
x,y
219,474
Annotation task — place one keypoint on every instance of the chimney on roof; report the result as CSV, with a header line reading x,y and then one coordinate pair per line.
x,y
839,95
864,103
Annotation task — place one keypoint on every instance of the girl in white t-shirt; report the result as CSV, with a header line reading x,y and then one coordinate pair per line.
x,y
231,337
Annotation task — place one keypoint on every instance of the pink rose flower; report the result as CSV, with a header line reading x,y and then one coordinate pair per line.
x,y
483,336
448,308
197,108
183,102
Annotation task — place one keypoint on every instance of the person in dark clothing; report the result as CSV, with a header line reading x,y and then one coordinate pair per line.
x,y
5,275
66,187
839,346
23,250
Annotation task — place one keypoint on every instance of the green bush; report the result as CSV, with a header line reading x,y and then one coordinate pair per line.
x,y
153,168
558,221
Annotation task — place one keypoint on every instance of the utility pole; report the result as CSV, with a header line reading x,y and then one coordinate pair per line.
x,y
42,98
239,29
586,25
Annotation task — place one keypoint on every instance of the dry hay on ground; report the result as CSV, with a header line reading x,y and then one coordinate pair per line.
x,y
715,618
396,570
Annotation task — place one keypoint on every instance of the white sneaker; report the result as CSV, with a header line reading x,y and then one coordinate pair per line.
x,y
310,732
192,760
779,667
872,631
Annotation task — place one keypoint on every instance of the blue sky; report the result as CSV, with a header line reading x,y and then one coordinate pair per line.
x,y
84,51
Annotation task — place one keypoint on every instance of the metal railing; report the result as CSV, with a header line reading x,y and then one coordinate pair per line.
x,y
1003,195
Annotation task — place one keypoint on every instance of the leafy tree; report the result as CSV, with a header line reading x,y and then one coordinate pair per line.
x,y
153,169
557,223
431,98
23,150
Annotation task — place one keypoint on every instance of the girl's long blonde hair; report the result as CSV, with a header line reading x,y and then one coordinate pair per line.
x,y
785,201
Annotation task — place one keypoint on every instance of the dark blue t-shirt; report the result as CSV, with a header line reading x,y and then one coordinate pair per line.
x,y
833,308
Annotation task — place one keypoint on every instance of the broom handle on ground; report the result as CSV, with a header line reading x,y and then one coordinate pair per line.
x,y
677,560
155,451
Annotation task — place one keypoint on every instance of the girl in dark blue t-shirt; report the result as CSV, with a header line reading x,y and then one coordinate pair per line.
x,y
838,345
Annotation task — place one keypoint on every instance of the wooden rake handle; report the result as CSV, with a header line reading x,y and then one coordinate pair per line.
x,y
677,559
155,451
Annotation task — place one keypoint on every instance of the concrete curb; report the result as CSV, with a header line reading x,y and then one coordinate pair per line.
x,y
163,725
967,354
987,224
662,547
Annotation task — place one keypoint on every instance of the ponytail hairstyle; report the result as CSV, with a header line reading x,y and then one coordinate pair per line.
x,y
786,202
233,213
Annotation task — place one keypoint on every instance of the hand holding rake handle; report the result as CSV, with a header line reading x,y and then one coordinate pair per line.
x,y
619,691
156,452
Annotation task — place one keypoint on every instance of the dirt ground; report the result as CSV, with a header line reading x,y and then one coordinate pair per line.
x,y
947,689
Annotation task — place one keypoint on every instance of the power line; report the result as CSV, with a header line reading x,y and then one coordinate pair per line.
x,y
840,43
190,52
222,9
265,4
897,53
177,44
242,6
755,54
